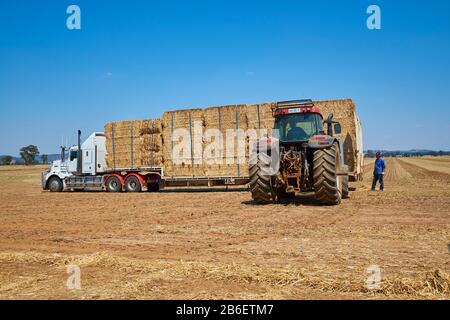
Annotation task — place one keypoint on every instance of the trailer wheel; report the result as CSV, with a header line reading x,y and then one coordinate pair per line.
x,y
153,187
113,184
132,184
55,184
345,191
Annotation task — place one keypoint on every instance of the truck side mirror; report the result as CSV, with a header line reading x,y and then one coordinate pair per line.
x,y
329,122
337,128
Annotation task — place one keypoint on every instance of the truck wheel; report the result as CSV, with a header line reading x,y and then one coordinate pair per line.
x,y
132,184
327,184
345,191
153,187
55,184
113,184
260,182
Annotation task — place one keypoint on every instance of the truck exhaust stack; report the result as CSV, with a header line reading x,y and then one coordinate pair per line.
x,y
79,155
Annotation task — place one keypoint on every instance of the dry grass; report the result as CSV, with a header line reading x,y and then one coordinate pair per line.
x,y
193,245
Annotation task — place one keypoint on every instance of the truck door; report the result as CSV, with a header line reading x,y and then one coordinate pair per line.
x,y
73,154
88,162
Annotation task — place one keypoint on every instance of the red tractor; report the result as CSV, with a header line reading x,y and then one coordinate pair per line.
x,y
300,157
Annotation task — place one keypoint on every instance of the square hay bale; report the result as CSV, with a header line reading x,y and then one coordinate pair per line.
x,y
135,143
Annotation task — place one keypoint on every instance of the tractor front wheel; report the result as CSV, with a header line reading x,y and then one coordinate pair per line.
x,y
327,182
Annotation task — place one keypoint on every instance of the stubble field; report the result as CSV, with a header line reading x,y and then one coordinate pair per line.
x,y
200,245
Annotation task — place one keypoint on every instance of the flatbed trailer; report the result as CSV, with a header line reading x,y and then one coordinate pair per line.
x,y
204,181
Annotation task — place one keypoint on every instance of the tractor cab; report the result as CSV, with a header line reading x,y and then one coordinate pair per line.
x,y
300,121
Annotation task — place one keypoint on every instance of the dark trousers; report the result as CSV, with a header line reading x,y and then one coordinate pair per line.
x,y
377,177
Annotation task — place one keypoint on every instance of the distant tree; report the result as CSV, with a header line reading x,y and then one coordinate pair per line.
x,y
29,153
6,160
371,153
44,159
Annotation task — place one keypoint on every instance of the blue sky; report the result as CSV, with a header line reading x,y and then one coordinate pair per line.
x,y
137,59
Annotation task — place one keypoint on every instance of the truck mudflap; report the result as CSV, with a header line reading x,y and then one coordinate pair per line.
x,y
44,179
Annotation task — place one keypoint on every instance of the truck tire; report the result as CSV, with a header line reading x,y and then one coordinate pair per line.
x,y
132,184
260,182
153,187
327,184
55,184
345,190
113,184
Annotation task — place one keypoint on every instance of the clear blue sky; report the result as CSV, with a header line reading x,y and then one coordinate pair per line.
x,y
136,59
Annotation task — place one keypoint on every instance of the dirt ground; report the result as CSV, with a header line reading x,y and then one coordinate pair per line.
x,y
220,245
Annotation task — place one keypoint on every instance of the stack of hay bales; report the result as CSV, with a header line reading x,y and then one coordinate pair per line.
x,y
183,142
194,142
344,111
215,142
134,144
151,143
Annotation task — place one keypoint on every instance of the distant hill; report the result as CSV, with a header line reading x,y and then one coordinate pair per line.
x,y
407,153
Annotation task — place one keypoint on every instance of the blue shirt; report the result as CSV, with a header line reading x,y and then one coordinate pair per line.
x,y
379,166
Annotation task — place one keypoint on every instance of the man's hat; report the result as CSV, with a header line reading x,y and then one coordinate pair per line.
x,y
378,154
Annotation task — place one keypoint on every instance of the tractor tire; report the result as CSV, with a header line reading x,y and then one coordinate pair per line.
x,y
261,183
55,184
327,184
132,184
113,184
345,190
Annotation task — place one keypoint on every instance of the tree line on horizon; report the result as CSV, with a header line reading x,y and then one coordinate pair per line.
x,y
28,156
409,153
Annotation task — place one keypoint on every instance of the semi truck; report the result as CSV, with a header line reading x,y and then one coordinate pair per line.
x,y
108,160
84,167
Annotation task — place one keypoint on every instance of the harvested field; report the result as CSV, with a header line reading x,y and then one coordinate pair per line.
x,y
180,244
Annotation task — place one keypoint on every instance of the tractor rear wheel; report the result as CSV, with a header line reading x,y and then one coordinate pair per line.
x,y
327,183
260,180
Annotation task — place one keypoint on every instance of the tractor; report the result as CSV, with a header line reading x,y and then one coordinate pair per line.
x,y
307,158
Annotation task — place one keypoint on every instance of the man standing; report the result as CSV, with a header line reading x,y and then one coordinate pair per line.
x,y
378,172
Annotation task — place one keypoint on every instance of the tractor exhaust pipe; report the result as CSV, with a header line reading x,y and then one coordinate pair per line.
x,y
79,155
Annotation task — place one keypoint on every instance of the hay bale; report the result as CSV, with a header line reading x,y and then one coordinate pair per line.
x,y
133,144
182,142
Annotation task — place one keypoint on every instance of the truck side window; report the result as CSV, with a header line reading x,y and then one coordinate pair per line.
x,y
87,153
73,155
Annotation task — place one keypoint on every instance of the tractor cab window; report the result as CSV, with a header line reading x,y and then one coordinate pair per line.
x,y
298,127
73,155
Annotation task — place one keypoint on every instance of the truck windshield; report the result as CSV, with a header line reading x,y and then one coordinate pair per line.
x,y
298,127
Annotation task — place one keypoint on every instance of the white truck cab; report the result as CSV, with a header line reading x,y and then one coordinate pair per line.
x,y
63,173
